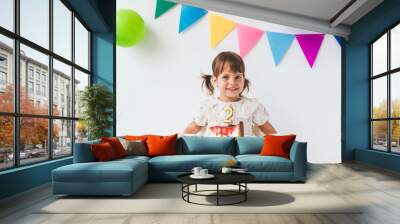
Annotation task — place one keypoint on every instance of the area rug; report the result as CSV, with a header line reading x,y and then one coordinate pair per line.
x,y
167,198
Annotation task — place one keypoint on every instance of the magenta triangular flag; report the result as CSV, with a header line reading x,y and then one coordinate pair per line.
x,y
248,37
310,45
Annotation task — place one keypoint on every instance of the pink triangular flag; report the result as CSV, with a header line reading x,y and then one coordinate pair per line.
x,y
310,45
248,37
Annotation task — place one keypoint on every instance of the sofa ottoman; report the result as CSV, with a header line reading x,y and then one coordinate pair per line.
x,y
118,177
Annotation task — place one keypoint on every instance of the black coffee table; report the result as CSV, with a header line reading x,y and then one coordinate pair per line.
x,y
238,179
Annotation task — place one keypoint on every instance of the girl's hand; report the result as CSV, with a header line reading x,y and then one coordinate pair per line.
x,y
267,128
192,128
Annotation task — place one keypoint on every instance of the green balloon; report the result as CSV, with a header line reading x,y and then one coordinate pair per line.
x,y
130,28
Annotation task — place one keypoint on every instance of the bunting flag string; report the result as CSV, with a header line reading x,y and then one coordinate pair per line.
x,y
310,45
339,40
279,44
189,15
219,29
248,37
162,7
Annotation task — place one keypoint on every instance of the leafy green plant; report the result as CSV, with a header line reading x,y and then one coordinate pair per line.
x,y
96,102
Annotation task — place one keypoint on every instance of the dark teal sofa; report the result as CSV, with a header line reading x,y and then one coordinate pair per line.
x,y
125,176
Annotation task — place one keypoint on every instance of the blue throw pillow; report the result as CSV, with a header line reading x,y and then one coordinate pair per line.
x,y
249,145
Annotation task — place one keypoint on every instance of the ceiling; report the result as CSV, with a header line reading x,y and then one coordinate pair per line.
x,y
326,16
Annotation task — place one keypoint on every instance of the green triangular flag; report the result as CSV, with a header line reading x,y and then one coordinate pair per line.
x,y
162,7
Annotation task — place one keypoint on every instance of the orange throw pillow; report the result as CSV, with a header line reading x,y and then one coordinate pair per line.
x,y
136,137
161,145
103,152
116,145
277,145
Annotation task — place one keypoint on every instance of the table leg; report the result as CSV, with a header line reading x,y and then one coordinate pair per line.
x,y
196,188
217,194
245,193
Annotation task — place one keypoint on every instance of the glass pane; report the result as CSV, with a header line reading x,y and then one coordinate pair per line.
x,y
6,74
62,29
395,47
379,55
81,131
379,97
62,138
379,135
81,45
62,89
6,142
395,95
34,97
81,81
33,139
35,21
7,14
395,136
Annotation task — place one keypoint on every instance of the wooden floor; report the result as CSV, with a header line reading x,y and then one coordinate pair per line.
x,y
377,188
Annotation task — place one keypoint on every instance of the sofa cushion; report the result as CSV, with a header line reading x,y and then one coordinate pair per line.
x,y
195,145
103,152
83,152
111,171
277,145
135,147
116,145
161,145
257,163
185,163
249,145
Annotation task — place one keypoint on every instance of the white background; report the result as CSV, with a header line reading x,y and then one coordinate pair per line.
x,y
158,81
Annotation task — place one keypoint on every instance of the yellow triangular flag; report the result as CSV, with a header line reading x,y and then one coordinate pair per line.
x,y
219,28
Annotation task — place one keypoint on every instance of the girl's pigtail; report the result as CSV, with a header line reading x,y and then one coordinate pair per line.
x,y
207,84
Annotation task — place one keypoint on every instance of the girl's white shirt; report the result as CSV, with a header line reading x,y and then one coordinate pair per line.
x,y
212,113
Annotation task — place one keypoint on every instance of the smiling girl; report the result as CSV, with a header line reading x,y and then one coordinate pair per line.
x,y
229,113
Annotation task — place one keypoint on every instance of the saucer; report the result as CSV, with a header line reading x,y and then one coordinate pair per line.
x,y
208,176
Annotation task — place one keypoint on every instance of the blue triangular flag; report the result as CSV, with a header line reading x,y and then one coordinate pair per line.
x,y
339,40
279,43
189,15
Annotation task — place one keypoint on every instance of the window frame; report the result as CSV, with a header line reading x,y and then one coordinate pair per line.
x,y
388,74
16,114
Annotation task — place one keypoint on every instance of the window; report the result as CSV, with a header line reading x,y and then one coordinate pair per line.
x,y
7,14
30,87
30,72
3,78
385,91
3,61
3,72
43,90
56,126
81,45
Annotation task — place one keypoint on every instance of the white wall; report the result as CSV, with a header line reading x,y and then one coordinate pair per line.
x,y
158,81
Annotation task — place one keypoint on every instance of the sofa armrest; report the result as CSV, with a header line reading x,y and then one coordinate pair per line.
x,y
298,155
83,152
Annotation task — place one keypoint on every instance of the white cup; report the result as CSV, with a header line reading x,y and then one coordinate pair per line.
x,y
203,172
226,170
196,170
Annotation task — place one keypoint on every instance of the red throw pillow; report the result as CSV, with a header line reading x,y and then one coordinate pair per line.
x,y
161,145
277,145
116,145
103,152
